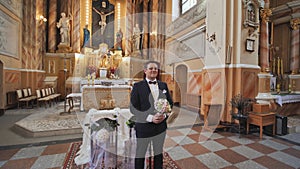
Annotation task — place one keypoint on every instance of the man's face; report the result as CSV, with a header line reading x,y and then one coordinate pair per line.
x,y
151,71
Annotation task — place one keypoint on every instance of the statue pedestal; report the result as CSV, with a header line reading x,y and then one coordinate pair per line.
x,y
64,48
264,95
132,67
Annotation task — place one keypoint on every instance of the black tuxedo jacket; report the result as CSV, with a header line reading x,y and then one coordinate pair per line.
x,y
142,104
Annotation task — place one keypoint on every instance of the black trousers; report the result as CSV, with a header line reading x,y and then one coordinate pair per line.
x,y
142,147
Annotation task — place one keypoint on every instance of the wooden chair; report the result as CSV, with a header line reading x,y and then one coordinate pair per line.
x,y
22,96
40,98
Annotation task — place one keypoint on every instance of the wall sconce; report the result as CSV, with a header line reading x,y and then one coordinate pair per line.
x,y
211,37
42,18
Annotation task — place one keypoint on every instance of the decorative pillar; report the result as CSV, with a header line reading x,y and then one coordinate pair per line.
x,y
129,28
264,40
161,31
52,29
295,46
146,30
75,41
153,31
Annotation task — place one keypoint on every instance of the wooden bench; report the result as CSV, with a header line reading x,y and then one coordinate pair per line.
x,y
25,96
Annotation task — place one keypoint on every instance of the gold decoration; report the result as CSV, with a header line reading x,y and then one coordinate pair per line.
x,y
295,23
265,14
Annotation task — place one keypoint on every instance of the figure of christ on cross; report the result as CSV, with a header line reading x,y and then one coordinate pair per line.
x,y
103,16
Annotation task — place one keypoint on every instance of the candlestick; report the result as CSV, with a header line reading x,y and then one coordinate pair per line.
x,y
281,66
278,66
274,66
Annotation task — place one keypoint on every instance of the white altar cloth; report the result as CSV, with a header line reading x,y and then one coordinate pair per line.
x,y
91,87
291,98
122,115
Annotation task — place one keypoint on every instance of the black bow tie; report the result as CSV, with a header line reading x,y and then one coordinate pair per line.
x,y
152,82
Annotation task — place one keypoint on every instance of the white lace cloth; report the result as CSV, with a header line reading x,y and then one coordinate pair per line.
x,y
292,98
83,156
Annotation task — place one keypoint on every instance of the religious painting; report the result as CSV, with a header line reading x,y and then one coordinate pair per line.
x,y
10,29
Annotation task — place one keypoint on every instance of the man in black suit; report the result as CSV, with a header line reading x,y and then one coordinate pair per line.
x,y
150,126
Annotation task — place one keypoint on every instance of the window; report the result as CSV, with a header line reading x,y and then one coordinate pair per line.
x,y
179,7
187,4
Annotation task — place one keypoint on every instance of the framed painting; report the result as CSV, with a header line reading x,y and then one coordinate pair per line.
x,y
10,34
249,45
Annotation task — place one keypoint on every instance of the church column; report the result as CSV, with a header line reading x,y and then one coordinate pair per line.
x,y
52,29
75,41
264,39
129,27
146,30
295,46
153,31
161,31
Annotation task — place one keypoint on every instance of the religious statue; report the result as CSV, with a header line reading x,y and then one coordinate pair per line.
x,y
103,16
136,37
64,26
119,39
86,36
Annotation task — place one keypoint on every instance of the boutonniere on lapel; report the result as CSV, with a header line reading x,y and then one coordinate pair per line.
x,y
164,91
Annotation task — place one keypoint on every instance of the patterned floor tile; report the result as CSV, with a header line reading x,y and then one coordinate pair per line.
x,y
24,163
7,154
231,156
49,161
273,144
285,158
270,162
196,149
56,149
29,152
178,153
293,152
213,146
212,160
227,143
191,163
250,165
261,148
247,152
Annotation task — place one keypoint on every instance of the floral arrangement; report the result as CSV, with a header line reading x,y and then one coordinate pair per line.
x,y
241,103
102,135
162,106
91,69
105,123
131,122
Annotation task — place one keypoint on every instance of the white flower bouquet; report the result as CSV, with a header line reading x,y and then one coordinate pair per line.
x,y
162,106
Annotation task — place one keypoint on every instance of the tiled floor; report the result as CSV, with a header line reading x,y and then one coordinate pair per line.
x,y
191,148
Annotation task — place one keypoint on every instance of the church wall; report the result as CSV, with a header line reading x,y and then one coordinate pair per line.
x,y
24,69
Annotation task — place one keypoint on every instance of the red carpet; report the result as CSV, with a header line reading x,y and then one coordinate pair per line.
x,y
74,147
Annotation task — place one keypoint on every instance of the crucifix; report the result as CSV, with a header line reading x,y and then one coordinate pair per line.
x,y
103,16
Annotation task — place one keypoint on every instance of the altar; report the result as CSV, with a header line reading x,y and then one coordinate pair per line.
x,y
102,97
287,104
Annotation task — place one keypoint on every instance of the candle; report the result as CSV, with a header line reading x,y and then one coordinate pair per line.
x,y
278,66
281,66
274,66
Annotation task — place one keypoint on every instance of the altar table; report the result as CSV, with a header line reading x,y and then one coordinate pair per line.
x,y
102,97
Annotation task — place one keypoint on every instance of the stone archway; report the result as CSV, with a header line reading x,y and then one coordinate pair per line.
x,y
181,87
